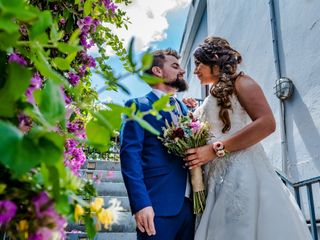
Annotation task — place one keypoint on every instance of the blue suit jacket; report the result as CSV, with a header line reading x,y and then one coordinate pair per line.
x,y
152,176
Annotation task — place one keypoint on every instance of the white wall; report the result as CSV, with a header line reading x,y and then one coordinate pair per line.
x,y
300,46
195,88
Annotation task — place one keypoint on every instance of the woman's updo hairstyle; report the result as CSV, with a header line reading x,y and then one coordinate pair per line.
x,y
216,51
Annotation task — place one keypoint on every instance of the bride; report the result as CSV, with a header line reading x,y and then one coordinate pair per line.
x,y
245,198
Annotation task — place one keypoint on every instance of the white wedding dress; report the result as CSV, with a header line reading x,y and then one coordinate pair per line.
x,y
246,200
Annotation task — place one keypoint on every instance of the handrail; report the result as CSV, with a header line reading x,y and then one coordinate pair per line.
x,y
308,184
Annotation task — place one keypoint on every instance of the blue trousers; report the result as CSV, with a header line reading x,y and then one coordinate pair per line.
x,y
179,227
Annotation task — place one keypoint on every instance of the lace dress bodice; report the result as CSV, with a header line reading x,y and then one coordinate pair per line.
x,y
209,111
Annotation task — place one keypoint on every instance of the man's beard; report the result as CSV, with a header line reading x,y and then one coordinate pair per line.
x,y
180,84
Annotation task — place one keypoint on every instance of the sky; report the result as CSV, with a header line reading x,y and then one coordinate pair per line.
x,y
156,25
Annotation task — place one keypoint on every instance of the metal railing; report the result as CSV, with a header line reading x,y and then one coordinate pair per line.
x,y
199,100
296,187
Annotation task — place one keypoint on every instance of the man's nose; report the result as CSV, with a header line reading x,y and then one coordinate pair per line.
x,y
182,71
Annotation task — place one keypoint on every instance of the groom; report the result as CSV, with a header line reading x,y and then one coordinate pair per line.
x,y
157,182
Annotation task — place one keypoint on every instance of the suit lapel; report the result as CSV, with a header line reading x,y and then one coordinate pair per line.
x,y
153,97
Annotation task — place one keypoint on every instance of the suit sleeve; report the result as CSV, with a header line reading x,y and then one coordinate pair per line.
x,y
132,137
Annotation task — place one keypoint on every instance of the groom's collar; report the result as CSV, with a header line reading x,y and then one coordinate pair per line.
x,y
161,93
152,96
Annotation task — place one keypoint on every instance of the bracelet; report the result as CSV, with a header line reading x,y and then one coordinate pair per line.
x,y
219,149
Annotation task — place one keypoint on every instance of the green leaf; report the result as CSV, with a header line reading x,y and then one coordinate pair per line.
x,y
62,204
8,25
67,48
18,152
54,181
130,53
61,63
11,138
15,86
87,7
55,35
161,103
151,80
146,125
71,57
111,118
74,39
52,103
19,9
44,21
147,60
8,40
41,63
90,227
97,134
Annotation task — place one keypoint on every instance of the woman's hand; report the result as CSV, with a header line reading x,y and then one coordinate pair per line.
x,y
199,156
190,102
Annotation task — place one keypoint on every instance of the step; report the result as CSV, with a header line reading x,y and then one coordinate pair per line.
x,y
102,175
126,224
111,189
101,165
123,200
103,236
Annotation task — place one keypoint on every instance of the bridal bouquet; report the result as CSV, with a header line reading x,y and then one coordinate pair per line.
x,y
189,132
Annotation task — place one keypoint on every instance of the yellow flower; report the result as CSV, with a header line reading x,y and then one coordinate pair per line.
x,y
96,205
23,225
23,228
78,212
105,216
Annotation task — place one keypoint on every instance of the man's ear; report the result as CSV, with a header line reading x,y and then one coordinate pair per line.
x,y
157,71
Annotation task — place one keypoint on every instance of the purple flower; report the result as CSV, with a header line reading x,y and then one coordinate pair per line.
x,y
89,61
95,23
85,25
82,70
15,57
49,218
109,6
7,211
36,83
71,143
41,234
67,99
25,122
195,126
62,22
84,41
43,204
75,126
74,157
73,78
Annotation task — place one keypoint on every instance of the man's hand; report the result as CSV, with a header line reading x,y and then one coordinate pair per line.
x,y
145,220
190,102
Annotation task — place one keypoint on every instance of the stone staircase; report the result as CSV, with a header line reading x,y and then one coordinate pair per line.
x,y
110,186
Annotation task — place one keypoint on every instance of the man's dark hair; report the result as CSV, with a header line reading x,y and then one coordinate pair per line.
x,y
159,58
